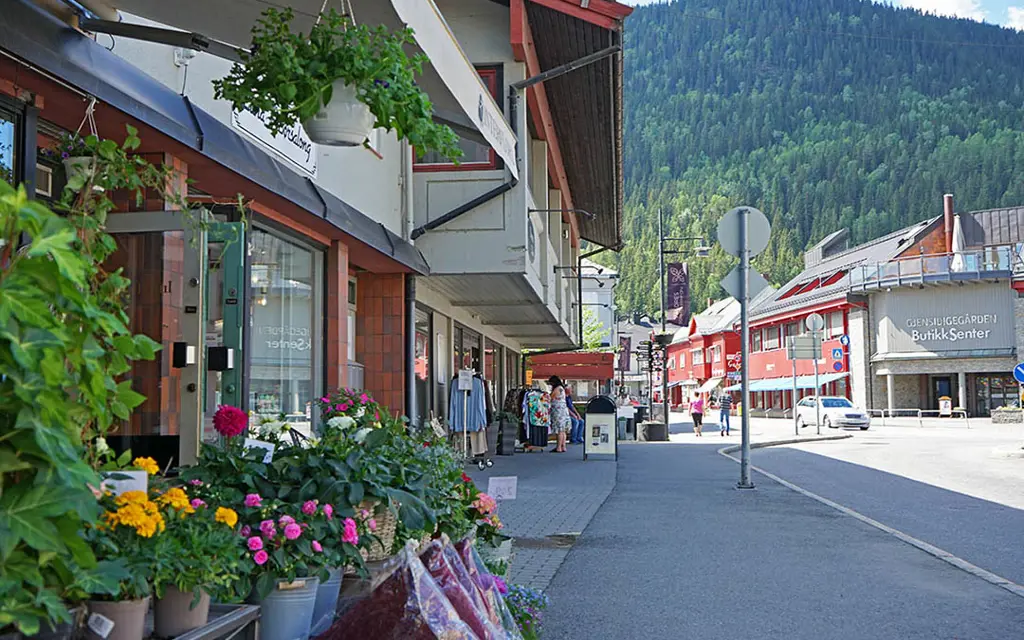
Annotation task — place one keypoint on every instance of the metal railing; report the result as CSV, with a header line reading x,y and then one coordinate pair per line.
x,y
919,414
976,264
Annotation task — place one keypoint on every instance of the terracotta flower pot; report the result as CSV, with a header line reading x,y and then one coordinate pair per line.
x,y
174,614
345,121
128,616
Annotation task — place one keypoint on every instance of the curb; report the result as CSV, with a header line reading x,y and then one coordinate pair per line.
x,y
725,451
930,549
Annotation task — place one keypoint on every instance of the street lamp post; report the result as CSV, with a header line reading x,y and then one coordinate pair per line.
x,y
701,252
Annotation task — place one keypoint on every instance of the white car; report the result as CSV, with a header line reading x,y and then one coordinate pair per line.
x,y
836,412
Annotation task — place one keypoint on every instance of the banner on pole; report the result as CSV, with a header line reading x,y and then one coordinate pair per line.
x,y
625,345
678,303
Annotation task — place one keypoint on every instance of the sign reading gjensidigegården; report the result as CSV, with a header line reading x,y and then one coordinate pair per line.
x,y
952,328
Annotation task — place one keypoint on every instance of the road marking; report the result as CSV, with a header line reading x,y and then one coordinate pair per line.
x,y
930,549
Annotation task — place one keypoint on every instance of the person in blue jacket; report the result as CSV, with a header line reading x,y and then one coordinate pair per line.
x,y
576,435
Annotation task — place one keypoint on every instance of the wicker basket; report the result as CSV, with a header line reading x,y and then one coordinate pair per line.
x,y
387,522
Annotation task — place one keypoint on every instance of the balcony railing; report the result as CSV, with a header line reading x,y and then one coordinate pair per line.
x,y
976,264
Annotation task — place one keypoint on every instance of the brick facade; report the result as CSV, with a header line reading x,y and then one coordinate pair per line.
x,y
380,314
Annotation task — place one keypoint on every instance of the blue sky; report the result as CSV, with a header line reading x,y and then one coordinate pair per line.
x,y
1009,13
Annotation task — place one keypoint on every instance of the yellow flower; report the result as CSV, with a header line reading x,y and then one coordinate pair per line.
x,y
131,515
147,464
227,516
176,498
131,497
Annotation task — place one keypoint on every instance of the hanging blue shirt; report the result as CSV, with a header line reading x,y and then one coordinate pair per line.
x,y
473,408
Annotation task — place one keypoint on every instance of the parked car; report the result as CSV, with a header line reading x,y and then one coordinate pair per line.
x,y
836,412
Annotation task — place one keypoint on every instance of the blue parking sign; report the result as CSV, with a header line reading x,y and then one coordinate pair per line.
x,y
837,354
1018,373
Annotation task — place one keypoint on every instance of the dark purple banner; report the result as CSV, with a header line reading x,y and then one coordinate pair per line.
x,y
625,344
678,302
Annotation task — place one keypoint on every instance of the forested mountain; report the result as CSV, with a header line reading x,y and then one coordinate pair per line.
x,y
824,114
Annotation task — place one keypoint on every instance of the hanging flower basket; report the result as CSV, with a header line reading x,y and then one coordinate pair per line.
x,y
339,81
345,121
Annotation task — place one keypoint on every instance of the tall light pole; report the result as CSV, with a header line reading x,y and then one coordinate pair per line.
x,y
701,252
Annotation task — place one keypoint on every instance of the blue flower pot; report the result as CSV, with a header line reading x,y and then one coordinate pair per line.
x,y
287,612
327,601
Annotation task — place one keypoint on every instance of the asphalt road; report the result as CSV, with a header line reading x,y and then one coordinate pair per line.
x,y
987,534
676,552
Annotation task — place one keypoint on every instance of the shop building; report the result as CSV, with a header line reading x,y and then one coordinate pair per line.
x,y
703,353
312,284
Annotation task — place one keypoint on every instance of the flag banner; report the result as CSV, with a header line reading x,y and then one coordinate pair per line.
x,y
678,302
625,344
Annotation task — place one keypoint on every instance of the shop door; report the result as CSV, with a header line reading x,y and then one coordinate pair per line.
x,y
942,387
187,294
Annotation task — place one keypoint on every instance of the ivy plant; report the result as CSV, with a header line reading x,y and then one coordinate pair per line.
x,y
287,77
64,345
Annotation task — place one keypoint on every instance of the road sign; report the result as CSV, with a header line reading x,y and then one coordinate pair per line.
x,y
755,283
838,366
734,375
837,354
758,232
844,340
814,322
803,347
1018,373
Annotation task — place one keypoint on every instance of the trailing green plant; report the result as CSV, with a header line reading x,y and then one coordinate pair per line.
x,y
287,77
64,344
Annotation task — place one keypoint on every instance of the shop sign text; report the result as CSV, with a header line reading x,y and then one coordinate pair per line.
x,y
952,328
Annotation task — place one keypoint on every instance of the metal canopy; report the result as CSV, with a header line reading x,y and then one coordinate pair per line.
x,y
459,97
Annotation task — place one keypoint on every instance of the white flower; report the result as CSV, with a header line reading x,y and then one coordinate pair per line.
x,y
271,428
361,434
101,445
341,422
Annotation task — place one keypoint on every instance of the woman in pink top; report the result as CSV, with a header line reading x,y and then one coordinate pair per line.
x,y
697,413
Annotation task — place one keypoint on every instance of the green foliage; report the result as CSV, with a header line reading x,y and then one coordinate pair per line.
x,y
734,102
64,343
594,333
288,77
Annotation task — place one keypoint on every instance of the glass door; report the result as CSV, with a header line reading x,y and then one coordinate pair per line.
x,y
187,294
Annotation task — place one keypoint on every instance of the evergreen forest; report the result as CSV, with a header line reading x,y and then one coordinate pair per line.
x,y
824,114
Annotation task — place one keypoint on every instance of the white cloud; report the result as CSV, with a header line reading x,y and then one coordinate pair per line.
x,y
959,8
1015,18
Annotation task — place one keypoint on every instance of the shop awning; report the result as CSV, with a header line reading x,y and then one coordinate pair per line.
x,y
459,97
40,39
786,384
709,386
682,383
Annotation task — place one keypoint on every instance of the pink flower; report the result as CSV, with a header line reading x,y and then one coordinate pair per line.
x,y
328,511
350,535
267,528
344,406
229,421
195,483
285,520
292,531
196,503
339,407
372,524
255,543
246,530
485,504
309,507
364,398
502,586
253,500
317,547
260,557
325,399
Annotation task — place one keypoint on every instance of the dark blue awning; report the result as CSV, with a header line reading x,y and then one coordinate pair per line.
x,y
40,39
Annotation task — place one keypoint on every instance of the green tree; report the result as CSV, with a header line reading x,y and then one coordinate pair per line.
x,y
594,332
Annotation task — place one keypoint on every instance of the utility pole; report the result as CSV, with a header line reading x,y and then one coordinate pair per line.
x,y
661,281
745,482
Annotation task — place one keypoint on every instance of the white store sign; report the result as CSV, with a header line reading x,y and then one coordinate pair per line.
x,y
293,143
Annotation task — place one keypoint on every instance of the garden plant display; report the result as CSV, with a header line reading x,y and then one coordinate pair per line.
x,y
527,606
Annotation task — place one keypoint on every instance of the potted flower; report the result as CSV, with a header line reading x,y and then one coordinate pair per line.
x,y
199,556
127,532
527,606
78,158
340,81
340,540
283,563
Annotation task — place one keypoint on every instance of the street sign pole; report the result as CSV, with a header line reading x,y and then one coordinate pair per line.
x,y
745,482
817,388
796,420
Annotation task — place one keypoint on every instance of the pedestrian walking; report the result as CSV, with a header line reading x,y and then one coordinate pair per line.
x,y
724,409
697,413
560,420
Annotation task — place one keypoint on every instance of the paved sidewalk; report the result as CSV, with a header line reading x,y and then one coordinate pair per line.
x,y
677,552
558,495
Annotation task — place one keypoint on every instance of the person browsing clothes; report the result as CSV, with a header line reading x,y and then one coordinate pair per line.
x,y
560,420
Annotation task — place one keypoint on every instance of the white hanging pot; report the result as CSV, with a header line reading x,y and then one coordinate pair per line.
x,y
81,165
343,122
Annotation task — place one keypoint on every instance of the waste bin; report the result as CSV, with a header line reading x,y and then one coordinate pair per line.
x,y
623,425
654,431
599,430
